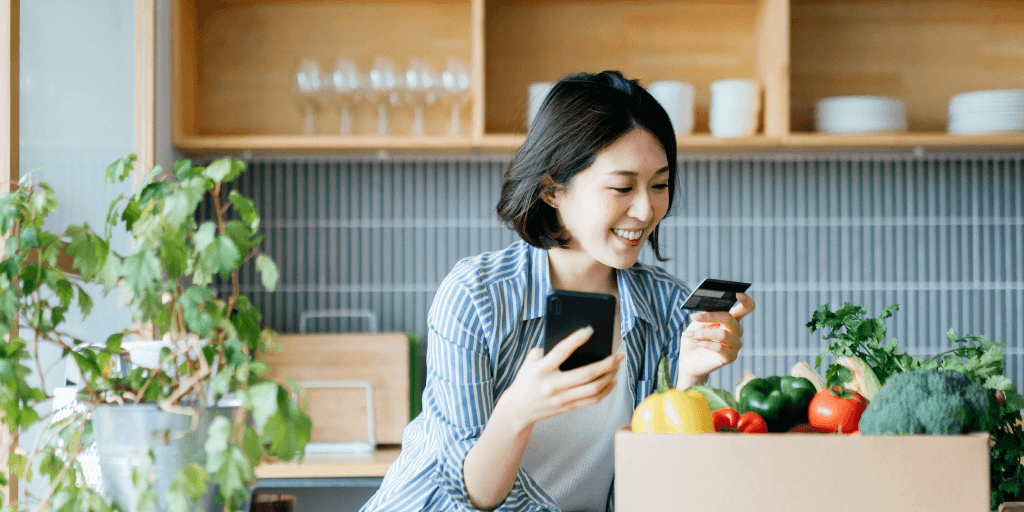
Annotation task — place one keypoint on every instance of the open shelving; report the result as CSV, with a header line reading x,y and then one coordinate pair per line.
x,y
233,60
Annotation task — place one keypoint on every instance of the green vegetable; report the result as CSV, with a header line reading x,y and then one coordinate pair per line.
x,y
978,359
941,402
781,401
717,398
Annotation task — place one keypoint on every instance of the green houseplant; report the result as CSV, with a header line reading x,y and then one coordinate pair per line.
x,y
206,344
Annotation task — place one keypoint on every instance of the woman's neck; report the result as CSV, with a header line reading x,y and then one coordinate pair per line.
x,y
571,270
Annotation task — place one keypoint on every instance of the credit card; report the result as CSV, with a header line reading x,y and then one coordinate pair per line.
x,y
714,295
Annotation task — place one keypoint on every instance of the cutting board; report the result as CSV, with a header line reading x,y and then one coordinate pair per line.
x,y
383,359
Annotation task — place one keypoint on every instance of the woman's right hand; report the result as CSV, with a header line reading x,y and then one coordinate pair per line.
x,y
541,390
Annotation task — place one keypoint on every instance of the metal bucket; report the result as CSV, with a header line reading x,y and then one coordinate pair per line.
x,y
123,435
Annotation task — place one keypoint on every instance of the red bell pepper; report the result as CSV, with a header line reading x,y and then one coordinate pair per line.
x,y
729,420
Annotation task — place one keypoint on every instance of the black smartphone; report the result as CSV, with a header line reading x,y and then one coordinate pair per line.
x,y
715,295
567,312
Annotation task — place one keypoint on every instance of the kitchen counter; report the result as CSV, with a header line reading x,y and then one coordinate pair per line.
x,y
334,470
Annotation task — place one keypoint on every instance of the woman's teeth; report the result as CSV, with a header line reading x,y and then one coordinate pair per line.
x,y
629,235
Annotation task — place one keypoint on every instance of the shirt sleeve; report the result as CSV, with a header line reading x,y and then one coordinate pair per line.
x,y
461,383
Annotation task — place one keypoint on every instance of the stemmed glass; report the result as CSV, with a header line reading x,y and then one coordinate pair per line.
x,y
455,84
421,90
308,87
345,84
383,89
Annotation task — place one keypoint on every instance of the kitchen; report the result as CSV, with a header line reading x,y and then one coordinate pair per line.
x,y
366,223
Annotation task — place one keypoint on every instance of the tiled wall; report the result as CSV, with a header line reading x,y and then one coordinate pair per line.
x,y
942,235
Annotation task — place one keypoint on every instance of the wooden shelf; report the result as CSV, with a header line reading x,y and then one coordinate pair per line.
x,y
208,145
903,141
233,60
920,51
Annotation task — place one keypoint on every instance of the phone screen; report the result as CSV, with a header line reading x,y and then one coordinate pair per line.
x,y
566,312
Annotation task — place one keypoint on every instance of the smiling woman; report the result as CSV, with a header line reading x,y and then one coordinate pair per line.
x,y
502,426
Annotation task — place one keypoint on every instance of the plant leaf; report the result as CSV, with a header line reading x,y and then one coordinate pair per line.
x,y
182,168
268,271
142,271
246,209
120,169
193,301
264,400
222,255
218,170
204,235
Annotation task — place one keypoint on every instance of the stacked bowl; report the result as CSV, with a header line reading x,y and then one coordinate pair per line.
x,y
860,114
980,112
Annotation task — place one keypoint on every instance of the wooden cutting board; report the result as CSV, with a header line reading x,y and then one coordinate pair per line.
x,y
340,414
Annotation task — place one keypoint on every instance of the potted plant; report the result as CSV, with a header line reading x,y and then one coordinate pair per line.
x,y
187,443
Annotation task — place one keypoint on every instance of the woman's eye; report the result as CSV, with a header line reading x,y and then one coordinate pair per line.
x,y
661,186
623,190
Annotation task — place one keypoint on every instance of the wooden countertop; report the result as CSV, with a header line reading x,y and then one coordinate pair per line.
x,y
332,466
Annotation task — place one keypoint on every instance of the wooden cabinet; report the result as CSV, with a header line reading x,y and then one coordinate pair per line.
x,y
233,62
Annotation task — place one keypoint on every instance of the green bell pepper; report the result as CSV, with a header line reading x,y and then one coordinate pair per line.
x,y
781,401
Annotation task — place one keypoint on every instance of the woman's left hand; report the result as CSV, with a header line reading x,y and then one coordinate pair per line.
x,y
711,341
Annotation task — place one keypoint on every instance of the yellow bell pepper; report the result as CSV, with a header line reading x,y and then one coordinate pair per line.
x,y
671,411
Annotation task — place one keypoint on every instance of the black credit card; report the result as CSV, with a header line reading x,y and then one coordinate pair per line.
x,y
715,295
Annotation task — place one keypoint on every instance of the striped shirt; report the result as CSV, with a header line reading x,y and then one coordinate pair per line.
x,y
487,314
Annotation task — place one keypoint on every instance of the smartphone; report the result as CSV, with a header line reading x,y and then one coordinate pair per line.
x,y
567,312
715,295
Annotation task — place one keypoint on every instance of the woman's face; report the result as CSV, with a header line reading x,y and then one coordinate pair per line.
x,y
611,207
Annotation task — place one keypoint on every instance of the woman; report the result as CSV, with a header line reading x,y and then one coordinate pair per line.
x,y
502,427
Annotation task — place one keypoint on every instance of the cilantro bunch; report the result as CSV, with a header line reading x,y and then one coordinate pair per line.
x,y
982,361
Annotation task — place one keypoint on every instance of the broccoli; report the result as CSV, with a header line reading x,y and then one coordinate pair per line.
x,y
929,401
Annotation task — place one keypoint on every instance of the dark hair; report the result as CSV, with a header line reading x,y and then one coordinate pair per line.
x,y
583,114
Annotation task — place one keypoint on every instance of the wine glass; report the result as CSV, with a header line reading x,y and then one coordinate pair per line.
x,y
383,89
455,83
345,84
308,87
421,91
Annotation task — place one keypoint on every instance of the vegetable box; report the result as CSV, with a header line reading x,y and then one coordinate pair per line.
x,y
800,472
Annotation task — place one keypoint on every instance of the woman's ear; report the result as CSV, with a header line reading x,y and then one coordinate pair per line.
x,y
549,198
550,192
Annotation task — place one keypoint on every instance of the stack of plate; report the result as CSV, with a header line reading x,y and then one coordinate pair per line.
x,y
860,114
995,111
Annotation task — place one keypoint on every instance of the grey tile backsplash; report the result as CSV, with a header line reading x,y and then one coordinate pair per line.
x,y
942,235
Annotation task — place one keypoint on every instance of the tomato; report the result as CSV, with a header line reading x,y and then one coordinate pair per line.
x,y
836,410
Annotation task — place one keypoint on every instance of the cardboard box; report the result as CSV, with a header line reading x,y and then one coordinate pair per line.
x,y
800,473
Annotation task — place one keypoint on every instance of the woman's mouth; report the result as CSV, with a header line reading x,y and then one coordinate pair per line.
x,y
631,237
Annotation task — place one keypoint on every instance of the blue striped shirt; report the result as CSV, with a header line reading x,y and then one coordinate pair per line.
x,y
487,314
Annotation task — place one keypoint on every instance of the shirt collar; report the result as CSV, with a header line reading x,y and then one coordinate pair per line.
x,y
538,282
634,295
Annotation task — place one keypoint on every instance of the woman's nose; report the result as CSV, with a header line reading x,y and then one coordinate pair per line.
x,y
641,208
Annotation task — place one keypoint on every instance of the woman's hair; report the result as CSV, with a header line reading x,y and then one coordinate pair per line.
x,y
583,114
